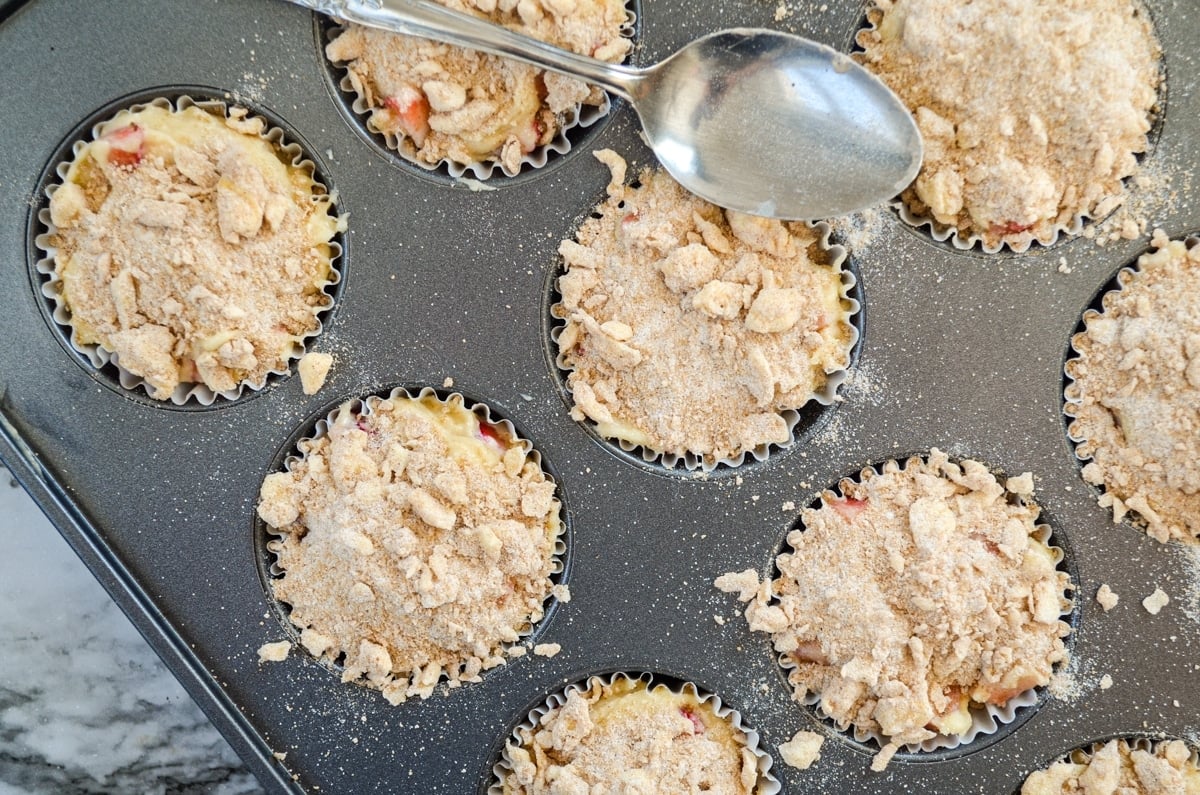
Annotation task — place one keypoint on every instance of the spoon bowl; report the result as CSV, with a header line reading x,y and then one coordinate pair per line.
x,y
758,121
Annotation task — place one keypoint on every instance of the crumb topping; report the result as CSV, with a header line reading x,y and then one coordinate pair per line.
x,y
625,737
918,593
188,248
1170,769
1031,110
690,328
417,541
1136,394
446,103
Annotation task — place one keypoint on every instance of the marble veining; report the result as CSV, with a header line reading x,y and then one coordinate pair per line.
x,y
85,705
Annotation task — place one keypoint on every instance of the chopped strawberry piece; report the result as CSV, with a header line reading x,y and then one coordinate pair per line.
x,y
1010,228
409,111
848,507
809,651
697,723
127,146
530,136
491,433
362,425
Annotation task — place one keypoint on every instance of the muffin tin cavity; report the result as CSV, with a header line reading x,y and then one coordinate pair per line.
x,y
579,127
447,409
191,394
990,724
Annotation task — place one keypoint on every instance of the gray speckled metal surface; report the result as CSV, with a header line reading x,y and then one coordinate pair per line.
x,y
960,350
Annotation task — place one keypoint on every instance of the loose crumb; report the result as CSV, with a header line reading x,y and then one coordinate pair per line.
x,y
447,382
1107,599
1156,601
314,368
547,649
274,652
802,750
720,620
1106,682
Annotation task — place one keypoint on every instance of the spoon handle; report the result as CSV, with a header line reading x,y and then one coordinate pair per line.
x,y
432,21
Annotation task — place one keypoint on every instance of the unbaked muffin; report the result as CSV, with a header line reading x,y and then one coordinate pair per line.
x,y
1032,111
694,332
1134,398
1169,768
191,248
914,600
437,103
626,736
417,542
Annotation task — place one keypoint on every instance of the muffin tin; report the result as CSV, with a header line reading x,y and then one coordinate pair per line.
x,y
960,350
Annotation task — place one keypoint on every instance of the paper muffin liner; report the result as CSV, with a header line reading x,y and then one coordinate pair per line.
x,y
98,356
1072,391
825,397
943,233
768,784
987,719
359,111
1134,742
363,406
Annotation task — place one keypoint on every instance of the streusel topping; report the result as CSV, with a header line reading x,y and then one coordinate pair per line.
x,y
417,542
689,328
918,593
1032,111
1136,394
1169,769
441,102
186,246
626,737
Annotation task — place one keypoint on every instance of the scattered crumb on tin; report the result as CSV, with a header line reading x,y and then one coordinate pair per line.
x,y
1106,682
1107,599
449,382
802,750
1156,601
720,620
561,592
274,652
547,649
314,368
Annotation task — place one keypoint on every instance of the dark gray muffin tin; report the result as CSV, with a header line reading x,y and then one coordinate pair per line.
x,y
960,350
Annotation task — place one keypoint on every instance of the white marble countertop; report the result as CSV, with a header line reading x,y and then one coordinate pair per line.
x,y
85,704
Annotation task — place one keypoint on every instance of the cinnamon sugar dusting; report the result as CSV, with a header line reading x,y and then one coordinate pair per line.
x,y
417,541
916,596
690,329
1032,111
626,737
1135,395
189,249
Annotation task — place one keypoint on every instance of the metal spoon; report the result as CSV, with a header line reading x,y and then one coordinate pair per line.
x,y
754,120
